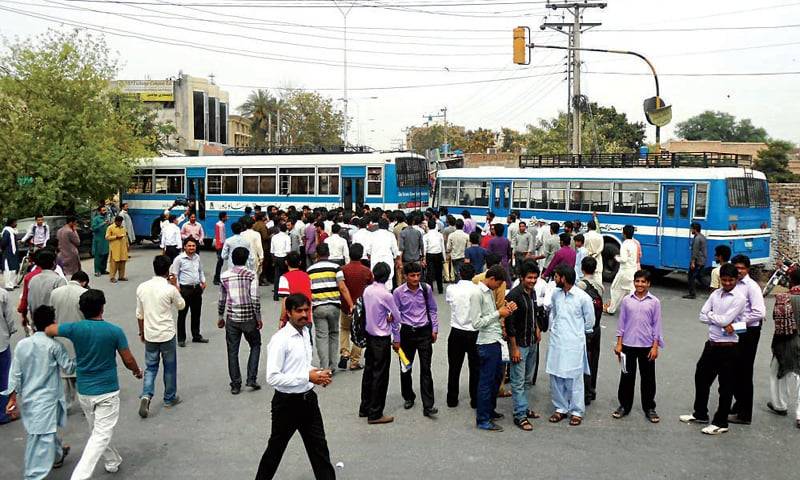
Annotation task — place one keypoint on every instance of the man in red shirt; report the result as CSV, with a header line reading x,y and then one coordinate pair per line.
x,y
356,277
219,242
293,281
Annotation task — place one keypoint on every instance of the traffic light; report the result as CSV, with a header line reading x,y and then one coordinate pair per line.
x,y
521,46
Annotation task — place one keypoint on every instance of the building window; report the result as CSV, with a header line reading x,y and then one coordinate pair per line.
x,y
549,195
223,123
684,203
213,119
223,181
473,193
199,117
142,181
701,200
297,181
671,202
259,181
448,195
374,181
639,198
328,180
590,196
169,180
521,193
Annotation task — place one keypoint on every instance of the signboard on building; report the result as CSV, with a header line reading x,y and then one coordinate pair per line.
x,y
147,90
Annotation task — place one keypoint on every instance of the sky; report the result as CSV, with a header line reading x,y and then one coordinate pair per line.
x,y
408,59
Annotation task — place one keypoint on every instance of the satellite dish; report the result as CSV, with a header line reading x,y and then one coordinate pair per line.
x,y
657,111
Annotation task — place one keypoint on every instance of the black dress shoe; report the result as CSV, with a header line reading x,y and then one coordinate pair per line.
x,y
362,415
496,416
200,340
408,404
254,385
430,412
236,389
182,343
689,296
452,404
343,362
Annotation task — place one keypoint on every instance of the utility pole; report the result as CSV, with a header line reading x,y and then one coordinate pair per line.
x,y
344,12
575,28
443,115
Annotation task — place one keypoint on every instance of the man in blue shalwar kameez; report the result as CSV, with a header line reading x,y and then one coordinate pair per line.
x,y
36,378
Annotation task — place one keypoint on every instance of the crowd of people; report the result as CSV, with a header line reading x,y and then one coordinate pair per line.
x,y
346,281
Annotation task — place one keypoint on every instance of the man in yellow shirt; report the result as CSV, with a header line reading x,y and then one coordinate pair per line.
x,y
117,238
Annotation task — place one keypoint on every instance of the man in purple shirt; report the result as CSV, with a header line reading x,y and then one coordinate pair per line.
x,y
500,246
382,326
419,327
754,312
566,255
719,358
310,240
639,338
469,223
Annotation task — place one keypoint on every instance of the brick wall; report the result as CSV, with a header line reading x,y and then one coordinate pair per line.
x,y
504,159
785,198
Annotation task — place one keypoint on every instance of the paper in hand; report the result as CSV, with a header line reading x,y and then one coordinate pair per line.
x,y
622,362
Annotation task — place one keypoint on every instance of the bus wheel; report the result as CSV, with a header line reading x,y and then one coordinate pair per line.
x,y
610,263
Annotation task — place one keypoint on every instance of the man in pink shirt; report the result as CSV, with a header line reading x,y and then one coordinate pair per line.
x,y
193,229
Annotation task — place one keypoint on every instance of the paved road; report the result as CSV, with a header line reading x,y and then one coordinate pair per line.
x,y
216,435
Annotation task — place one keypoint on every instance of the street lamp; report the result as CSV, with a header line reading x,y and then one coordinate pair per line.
x,y
358,115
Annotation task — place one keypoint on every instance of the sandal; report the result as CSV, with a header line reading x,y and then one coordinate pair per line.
x,y
523,424
652,416
557,417
575,420
113,280
504,394
533,415
619,413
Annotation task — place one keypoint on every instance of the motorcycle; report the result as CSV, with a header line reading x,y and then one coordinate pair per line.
x,y
780,276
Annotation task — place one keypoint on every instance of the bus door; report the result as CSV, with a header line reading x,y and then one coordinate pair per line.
x,y
676,216
196,189
501,198
353,177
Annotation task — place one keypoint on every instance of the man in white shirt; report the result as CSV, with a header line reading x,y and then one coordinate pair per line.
x,y
171,242
280,246
383,248
254,238
155,300
337,246
594,244
433,246
463,338
294,405
457,244
364,237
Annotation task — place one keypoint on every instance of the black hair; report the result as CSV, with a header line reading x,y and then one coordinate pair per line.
x,y
356,251
431,224
293,259
237,228
46,259
336,228
589,265
627,231
295,301
223,215
91,303
475,238
412,267
497,272
43,317
492,259
728,270
383,224
565,239
554,227
189,240
240,256
466,214
741,260
323,250
591,225
579,238
161,264
460,224
80,276
794,277
499,228
71,218
695,226
569,224
566,272
381,272
645,274
467,271
723,251
528,267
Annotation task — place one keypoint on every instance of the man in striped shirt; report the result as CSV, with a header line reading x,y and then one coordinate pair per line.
x,y
328,290
240,314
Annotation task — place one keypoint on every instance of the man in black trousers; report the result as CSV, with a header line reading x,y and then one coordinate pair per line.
x,y
463,337
294,405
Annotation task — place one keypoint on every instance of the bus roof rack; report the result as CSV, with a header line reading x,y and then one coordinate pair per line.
x,y
629,160
297,150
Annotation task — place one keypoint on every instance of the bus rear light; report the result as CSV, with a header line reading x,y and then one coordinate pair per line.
x,y
733,226
764,225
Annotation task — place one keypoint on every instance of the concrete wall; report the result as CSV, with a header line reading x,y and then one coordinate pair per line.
x,y
184,111
785,199
504,159
741,148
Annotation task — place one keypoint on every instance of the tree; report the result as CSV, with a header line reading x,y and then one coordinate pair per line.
x,y
478,141
308,118
156,135
774,162
512,140
60,125
421,139
260,104
720,126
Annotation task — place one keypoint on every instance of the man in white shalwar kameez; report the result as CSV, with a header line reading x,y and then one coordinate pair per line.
x,y
629,254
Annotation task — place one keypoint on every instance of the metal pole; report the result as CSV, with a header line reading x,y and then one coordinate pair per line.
x,y
576,83
269,130
444,111
344,13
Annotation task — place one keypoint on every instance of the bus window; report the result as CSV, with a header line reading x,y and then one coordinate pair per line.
x,y
639,198
548,195
473,193
747,192
223,181
700,200
448,196
169,180
670,202
142,181
328,180
258,181
521,194
374,181
297,181
590,196
684,202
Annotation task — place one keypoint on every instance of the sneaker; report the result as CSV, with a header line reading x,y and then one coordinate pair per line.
x,y
254,385
430,412
714,430
692,419
174,402
235,389
144,407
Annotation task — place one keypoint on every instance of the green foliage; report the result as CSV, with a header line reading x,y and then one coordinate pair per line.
x,y
308,118
512,140
260,104
421,139
59,123
720,126
478,141
774,162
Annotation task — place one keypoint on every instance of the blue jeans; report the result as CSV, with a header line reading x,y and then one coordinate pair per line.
x,y
166,352
5,370
522,378
489,383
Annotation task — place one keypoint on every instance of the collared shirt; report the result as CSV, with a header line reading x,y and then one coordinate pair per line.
x,y
754,310
411,244
571,318
310,235
281,245
469,225
499,293
219,235
289,360
720,310
39,234
255,243
411,304
188,270
7,323
338,247
565,255
155,300
640,321
238,296
458,297
486,318
171,236
477,257
433,243
379,304
295,241
501,247
35,377
364,237
715,277
40,288
550,245
356,278
194,230
457,243
325,277
580,254
523,243
594,244
232,244
383,247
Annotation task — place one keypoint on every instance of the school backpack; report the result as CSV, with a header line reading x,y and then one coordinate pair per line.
x,y
597,301
358,327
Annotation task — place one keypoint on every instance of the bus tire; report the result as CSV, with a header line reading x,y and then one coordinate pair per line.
x,y
610,264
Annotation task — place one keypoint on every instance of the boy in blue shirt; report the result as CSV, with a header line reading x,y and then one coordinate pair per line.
x,y
475,255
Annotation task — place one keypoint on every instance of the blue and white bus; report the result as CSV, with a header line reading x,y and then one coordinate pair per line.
x,y
390,180
731,204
